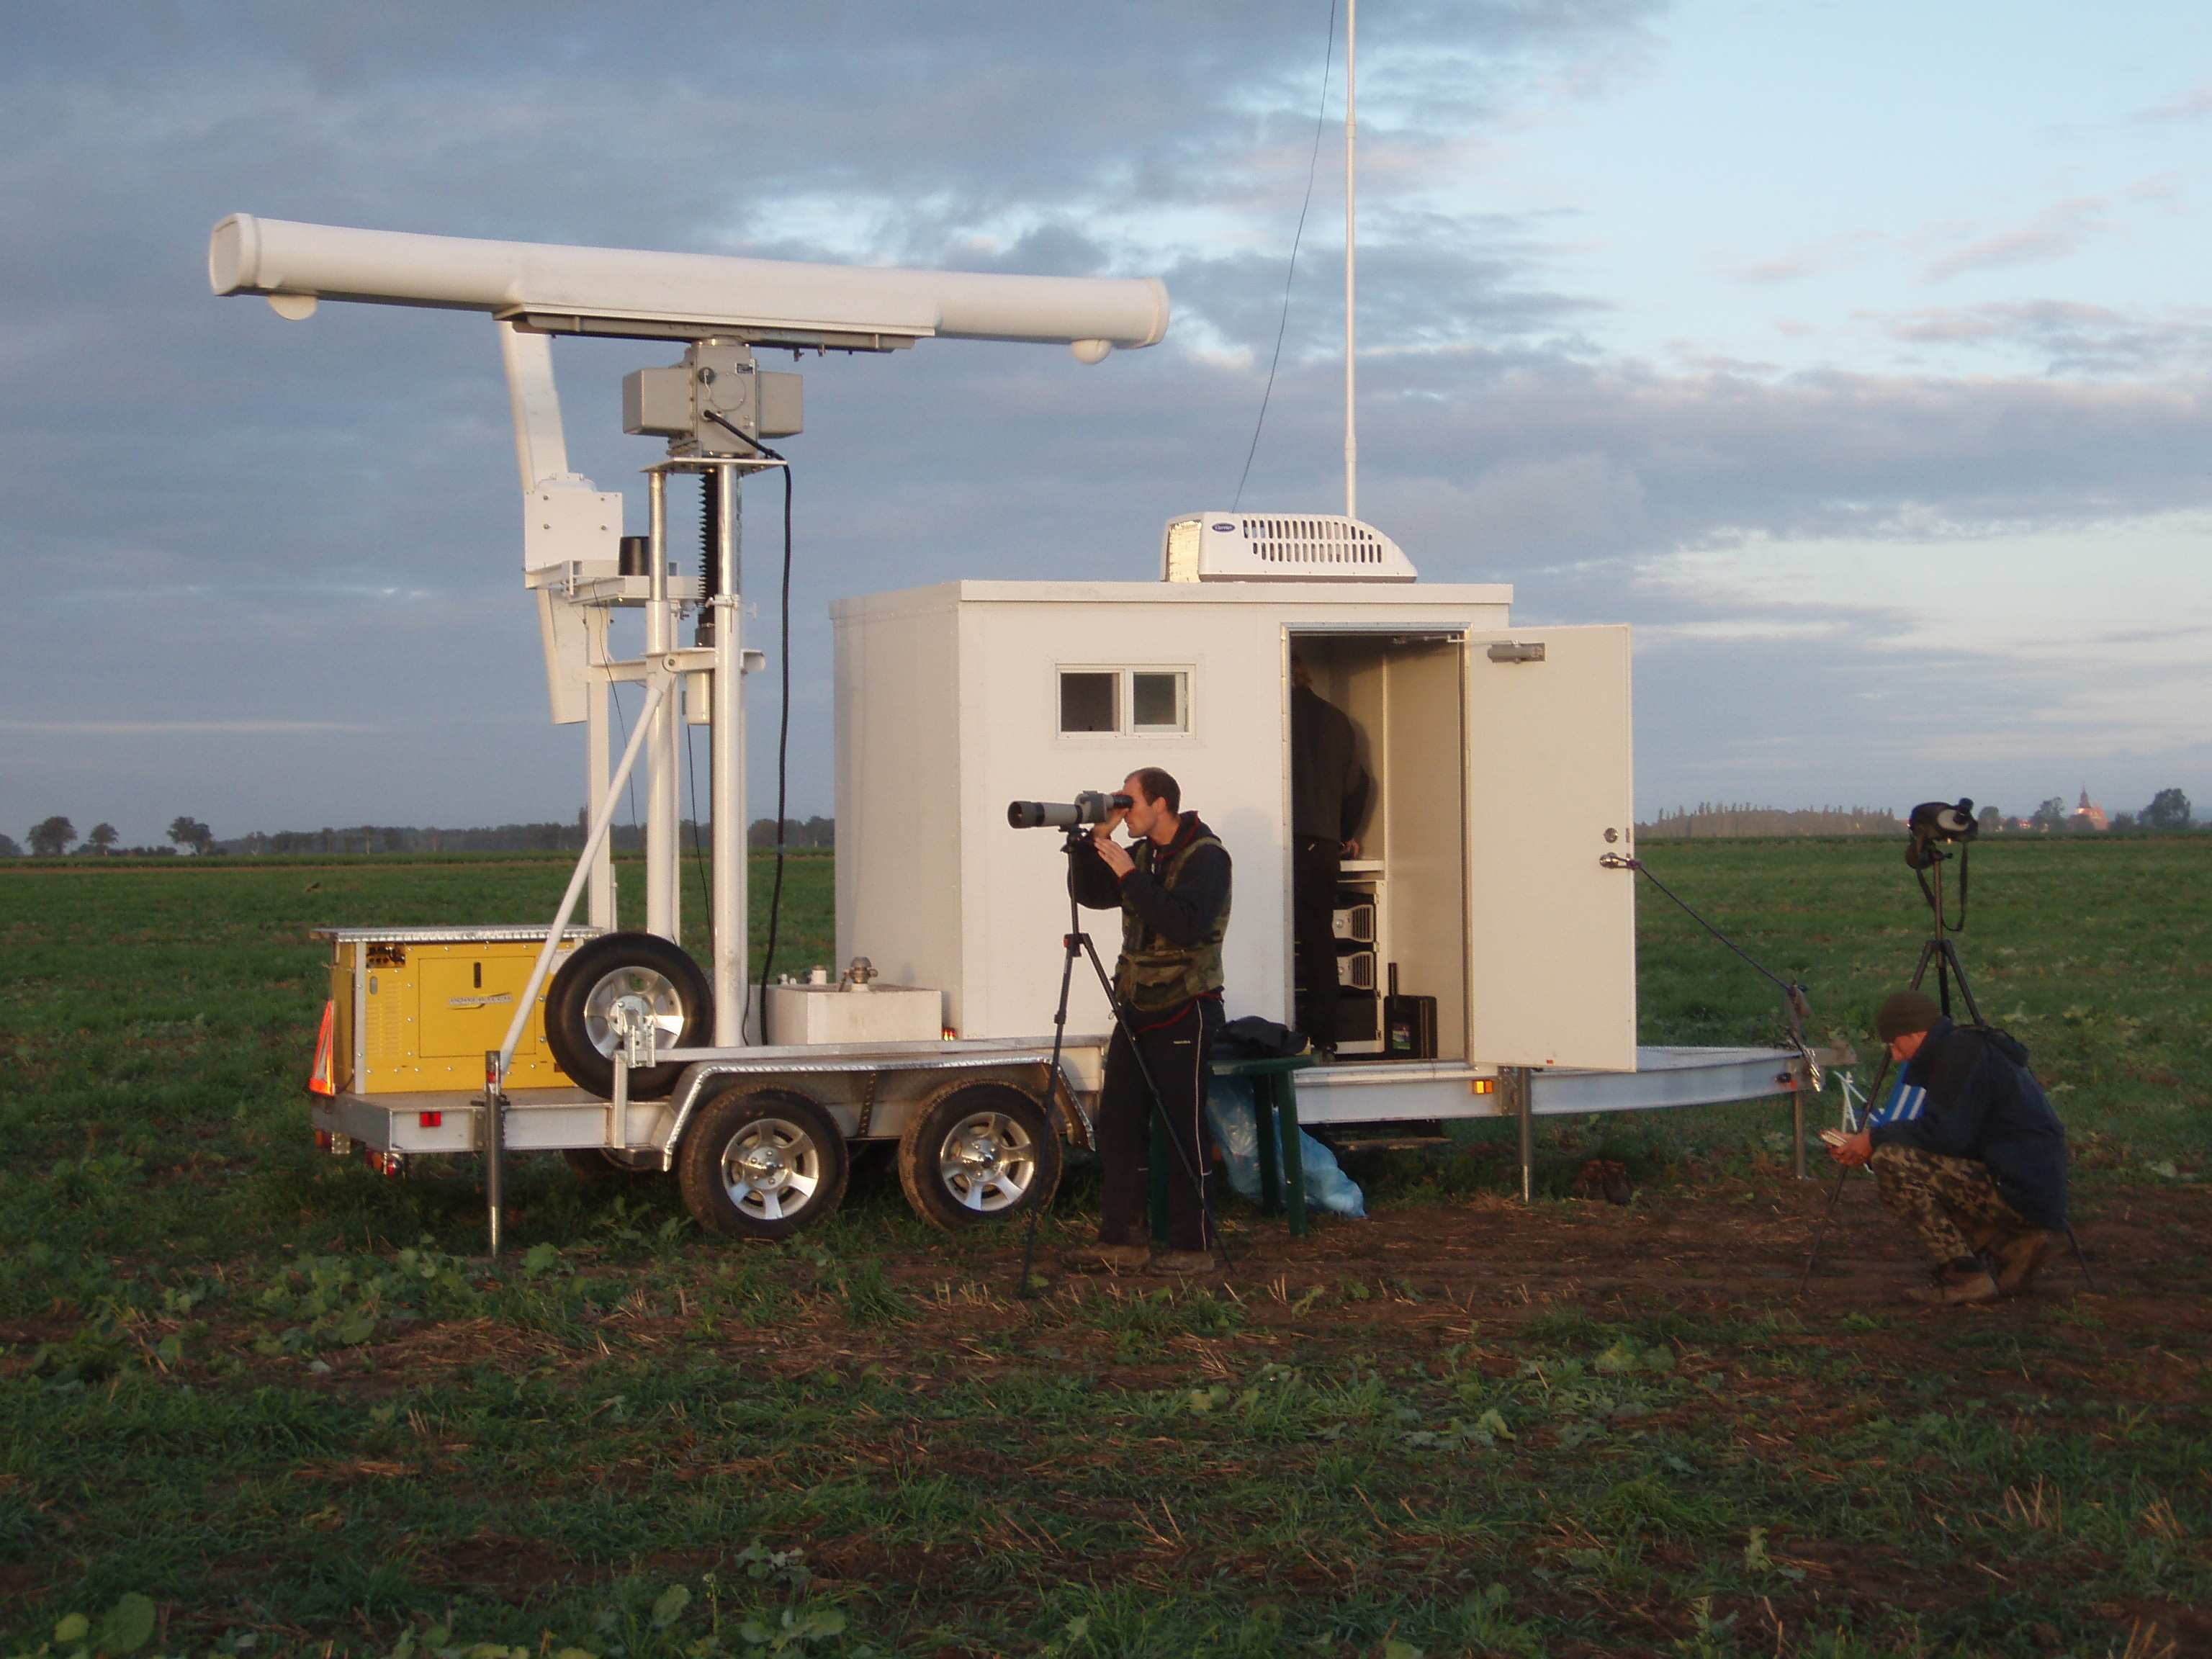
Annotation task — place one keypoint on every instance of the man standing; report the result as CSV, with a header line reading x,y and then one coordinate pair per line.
x,y
1328,795
1974,1161
1171,885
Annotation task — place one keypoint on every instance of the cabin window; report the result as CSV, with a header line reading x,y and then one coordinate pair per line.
x,y
1088,700
1157,700
1126,702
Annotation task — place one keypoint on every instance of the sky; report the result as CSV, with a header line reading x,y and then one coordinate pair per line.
x,y
1857,355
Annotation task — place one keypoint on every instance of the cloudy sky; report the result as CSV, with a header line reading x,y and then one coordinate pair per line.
x,y
1858,355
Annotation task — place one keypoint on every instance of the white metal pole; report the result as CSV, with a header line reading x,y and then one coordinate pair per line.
x,y
726,769
661,811
601,820
1351,127
597,754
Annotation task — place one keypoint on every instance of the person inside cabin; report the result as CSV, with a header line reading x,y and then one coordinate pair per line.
x,y
1171,885
1968,1154
1329,799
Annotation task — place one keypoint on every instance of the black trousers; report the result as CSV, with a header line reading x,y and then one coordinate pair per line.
x,y
1314,869
1176,1046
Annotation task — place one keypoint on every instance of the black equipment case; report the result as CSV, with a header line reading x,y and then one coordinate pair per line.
x,y
1409,1024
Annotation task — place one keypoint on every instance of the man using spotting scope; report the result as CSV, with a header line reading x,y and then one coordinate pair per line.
x,y
1171,885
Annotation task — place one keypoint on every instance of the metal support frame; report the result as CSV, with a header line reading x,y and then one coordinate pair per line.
x,y
1523,1098
662,886
726,741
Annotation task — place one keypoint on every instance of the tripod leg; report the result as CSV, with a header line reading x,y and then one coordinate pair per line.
x,y
1027,1287
1198,1174
2082,1261
1820,1234
1836,1193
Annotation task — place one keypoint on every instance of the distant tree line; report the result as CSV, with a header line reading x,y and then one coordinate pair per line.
x,y
54,836
2168,812
1709,820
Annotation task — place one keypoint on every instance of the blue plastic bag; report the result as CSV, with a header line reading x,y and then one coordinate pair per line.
x,y
1228,1110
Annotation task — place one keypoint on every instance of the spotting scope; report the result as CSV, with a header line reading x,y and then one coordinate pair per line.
x,y
1090,806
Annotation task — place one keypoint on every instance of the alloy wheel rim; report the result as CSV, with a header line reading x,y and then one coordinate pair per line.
x,y
646,994
771,1169
987,1163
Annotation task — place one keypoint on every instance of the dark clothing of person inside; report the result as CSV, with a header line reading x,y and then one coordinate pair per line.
x,y
1985,1104
1329,798
1173,903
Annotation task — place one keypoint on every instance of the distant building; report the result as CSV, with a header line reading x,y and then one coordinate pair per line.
x,y
2088,814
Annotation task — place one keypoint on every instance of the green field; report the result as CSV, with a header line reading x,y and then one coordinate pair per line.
x,y
254,1400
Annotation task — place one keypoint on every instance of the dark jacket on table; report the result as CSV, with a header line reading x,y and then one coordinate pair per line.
x,y
1182,915
1984,1104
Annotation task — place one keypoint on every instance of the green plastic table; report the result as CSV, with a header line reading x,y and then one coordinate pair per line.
x,y
1275,1113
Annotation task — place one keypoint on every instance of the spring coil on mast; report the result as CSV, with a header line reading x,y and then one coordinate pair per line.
x,y
710,521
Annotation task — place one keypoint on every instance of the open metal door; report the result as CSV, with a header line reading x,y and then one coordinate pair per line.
x,y
1552,931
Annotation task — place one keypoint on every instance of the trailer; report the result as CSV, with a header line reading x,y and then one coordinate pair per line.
x,y
1496,883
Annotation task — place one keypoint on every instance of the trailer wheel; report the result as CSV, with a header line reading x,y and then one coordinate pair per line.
x,y
602,1166
978,1152
761,1163
647,973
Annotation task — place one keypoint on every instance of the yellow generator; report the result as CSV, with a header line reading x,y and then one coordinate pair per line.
x,y
412,1010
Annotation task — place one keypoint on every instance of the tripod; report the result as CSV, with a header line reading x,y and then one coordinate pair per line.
x,y
1941,953
1077,943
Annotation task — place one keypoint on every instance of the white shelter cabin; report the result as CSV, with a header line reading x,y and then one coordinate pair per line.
x,y
1501,767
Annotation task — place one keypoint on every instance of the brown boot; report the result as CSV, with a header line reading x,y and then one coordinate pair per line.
x,y
1962,1278
2019,1258
1109,1258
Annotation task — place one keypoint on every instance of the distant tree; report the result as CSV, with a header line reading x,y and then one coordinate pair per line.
x,y
2051,815
821,832
2121,822
1992,820
50,837
2168,810
10,848
102,839
190,832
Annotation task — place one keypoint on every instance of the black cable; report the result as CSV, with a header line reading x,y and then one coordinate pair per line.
x,y
1327,62
1638,864
783,721
698,858
622,724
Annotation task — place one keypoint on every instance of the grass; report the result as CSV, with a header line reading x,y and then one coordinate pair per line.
x,y
253,1401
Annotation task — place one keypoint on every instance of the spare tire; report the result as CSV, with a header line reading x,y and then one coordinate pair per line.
x,y
644,971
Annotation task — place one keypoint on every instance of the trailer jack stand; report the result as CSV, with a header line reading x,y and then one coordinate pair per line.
x,y
495,1139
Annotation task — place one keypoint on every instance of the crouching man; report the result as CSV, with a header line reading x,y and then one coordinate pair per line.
x,y
1171,885
1975,1163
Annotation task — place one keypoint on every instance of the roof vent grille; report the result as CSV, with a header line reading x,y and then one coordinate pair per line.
x,y
1213,547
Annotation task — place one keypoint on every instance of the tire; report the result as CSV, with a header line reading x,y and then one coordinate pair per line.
x,y
600,1166
761,1163
612,967
976,1153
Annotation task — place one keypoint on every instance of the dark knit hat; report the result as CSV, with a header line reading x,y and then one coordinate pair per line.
x,y
1908,1011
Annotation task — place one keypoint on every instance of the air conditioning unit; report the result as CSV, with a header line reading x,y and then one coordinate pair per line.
x,y
1297,547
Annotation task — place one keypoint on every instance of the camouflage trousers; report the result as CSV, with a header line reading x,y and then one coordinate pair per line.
x,y
1952,1204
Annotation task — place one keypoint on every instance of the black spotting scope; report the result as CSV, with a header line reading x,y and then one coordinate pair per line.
x,y
1934,822
1091,806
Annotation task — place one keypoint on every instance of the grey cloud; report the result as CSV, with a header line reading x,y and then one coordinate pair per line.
x,y
2055,232
2073,338
2195,105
